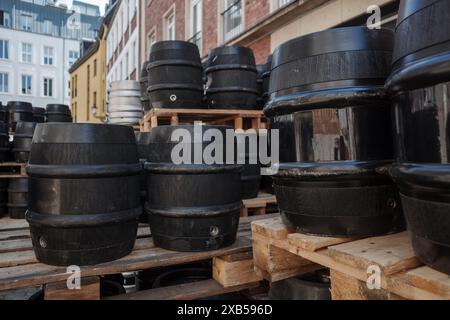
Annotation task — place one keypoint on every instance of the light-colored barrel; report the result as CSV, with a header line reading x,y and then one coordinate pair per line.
x,y
124,103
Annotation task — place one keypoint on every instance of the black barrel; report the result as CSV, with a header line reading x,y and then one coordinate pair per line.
x,y
18,198
312,286
145,99
232,78
144,152
191,207
18,111
84,193
38,115
58,113
175,75
420,88
264,81
248,158
328,101
3,197
22,141
4,142
3,118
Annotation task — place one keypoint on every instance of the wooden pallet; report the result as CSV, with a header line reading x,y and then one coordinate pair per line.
x,y
258,206
232,266
238,118
11,170
280,253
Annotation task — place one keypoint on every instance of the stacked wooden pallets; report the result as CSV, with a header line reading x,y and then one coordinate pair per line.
x,y
280,253
232,266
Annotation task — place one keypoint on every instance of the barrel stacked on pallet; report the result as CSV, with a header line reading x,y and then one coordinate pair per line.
x,y
420,88
124,105
70,221
175,75
58,113
328,101
232,78
191,207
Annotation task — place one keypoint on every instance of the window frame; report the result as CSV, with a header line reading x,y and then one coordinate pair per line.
x,y
23,53
4,75
45,85
28,85
48,60
4,54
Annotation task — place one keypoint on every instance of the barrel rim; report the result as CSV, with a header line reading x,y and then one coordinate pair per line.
x,y
340,97
82,171
81,220
190,169
328,41
191,212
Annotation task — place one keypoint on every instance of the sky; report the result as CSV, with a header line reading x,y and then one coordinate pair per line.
x,y
100,3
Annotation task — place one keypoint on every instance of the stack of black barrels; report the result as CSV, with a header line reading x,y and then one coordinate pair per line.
x,y
18,121
72,223
420,89
174,77
327,100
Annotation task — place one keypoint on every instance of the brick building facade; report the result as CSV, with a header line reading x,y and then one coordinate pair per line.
x,y
259,24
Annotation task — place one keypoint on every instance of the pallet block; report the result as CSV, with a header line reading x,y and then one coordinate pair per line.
x,y
12,170
258,205
235,270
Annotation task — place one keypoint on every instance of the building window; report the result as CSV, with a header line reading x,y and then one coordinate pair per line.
x,y
27,53
75,85
95,67
126,70
48,56
4,49
73,56
48,87
232,19
5,19
4,82
133,56
282,3
26,84
47,26
151,39
94,98
26,22
196,22
169,24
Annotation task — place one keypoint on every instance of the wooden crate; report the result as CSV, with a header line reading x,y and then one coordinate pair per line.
x,y
258,205
240,119
280,253
232,266
11,170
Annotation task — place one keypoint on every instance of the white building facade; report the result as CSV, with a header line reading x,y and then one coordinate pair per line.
x,y
122,43
37,48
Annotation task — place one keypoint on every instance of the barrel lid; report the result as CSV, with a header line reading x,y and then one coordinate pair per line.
x,y
334,40
346,96
125,85
58,108
425,175
332,170
19,105
83,133
173,45
238,50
